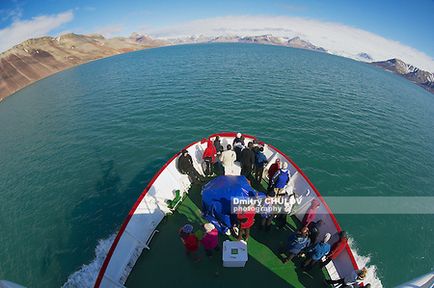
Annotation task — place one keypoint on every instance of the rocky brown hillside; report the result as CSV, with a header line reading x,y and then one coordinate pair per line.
x,y
37,58
297,42
423,78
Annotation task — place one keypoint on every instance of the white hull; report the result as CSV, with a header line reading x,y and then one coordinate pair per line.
x,y
151,207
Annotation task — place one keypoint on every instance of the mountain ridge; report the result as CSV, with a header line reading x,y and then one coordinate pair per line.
x,y
268,39
37,58
418,76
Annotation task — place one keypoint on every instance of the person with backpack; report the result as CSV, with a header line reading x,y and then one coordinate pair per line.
x,y
280,180
297,242
316,252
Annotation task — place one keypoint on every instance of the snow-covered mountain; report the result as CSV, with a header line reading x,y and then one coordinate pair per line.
x,y
423,78
269,39
412,73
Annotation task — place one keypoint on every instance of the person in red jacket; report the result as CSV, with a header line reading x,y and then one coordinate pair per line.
x,y
337,248
246,220
209,157
190,241
310,213
272,170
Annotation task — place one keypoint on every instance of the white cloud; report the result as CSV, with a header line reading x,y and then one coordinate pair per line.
x,y
21,30
337,38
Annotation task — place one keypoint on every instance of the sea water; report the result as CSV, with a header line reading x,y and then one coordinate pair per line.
x,y
78,148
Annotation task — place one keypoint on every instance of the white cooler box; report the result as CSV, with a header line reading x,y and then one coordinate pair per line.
x,y
234,254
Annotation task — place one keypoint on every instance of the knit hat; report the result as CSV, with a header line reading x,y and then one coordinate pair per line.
x,y
187,228
327,237
208,227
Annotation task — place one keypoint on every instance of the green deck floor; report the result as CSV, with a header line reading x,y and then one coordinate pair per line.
x,y
166,264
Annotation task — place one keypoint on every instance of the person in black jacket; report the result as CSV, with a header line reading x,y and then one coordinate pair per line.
x,y
238,145
247,160
217,144
314,230
185,166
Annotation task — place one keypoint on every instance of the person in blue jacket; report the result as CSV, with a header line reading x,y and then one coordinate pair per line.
x,y
316,252
297,242
280,180
267,215
260,162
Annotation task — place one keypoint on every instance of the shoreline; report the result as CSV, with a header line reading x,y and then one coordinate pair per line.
x,y
198,43
70,67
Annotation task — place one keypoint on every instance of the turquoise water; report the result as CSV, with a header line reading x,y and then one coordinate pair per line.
x,y
78,148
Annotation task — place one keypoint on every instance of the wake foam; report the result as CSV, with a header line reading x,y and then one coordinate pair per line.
x,y
85,277
363,261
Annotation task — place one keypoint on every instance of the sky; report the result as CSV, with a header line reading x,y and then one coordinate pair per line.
x,y
383,29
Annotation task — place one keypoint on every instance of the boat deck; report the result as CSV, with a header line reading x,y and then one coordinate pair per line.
x,y
166,264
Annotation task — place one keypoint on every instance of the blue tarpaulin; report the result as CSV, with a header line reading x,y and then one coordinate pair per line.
x,y
216,199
